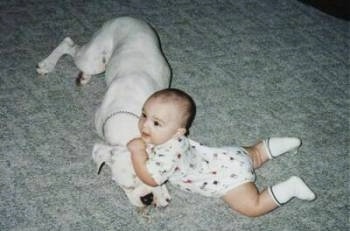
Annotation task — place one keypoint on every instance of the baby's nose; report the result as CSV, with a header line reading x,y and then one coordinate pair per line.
x,y
146,124
144,128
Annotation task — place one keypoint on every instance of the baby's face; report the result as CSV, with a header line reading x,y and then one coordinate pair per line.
x,y
160,121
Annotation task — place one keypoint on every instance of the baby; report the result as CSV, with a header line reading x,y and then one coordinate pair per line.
x,y
165,153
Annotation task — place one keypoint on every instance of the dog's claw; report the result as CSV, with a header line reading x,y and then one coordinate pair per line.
x,y
100,168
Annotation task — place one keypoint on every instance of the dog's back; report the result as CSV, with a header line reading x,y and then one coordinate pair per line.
x,y
135,69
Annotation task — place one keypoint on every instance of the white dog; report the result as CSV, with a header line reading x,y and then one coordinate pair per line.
x,y
129,52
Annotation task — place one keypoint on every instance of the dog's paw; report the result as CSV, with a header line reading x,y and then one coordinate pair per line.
x,y
44,67
100,155
162,197
82,79
162,202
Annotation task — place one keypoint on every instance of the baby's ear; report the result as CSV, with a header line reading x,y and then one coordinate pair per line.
x,y
181,132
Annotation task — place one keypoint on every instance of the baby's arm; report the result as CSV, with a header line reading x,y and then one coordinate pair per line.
x,y
139,157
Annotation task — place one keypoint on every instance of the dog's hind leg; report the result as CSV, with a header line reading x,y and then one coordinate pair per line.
x,y
67,46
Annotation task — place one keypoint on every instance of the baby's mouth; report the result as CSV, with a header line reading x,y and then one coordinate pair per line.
x,y
145,135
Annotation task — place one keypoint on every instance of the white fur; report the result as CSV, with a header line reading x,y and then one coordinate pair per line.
x,y
128,50
118,159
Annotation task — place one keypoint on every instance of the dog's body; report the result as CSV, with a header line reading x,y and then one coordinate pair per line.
x,y
129,52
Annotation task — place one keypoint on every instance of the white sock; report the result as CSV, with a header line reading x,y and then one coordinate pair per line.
x,y
293,187
276,146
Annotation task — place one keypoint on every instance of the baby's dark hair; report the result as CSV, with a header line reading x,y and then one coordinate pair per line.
x,y
184,99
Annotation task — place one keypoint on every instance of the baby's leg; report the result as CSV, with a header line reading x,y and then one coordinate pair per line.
x,y
257,154
247,200
271,148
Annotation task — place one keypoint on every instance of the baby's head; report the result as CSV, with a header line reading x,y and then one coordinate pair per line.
x,y
166,114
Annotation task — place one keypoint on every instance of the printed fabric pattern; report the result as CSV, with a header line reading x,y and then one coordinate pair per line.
x,y
198,168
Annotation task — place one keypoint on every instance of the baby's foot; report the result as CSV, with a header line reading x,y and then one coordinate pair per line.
x,y
293,187
276,146
301,190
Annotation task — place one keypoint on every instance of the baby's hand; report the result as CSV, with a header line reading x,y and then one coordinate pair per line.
x,y
136,145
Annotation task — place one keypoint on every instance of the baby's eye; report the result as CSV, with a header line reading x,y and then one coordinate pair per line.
x,y
143,115
156,123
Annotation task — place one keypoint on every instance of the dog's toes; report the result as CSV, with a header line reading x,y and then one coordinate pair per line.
x,y
162,203
69,41
82,79
42,68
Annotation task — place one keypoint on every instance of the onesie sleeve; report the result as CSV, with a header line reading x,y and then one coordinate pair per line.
x,y
162,162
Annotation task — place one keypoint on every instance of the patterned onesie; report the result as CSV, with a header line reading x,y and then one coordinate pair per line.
x,y
198,168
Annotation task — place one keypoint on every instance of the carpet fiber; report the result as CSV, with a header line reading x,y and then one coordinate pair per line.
x,y
255,68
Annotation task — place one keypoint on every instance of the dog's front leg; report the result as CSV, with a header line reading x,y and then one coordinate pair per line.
x,y
47,65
